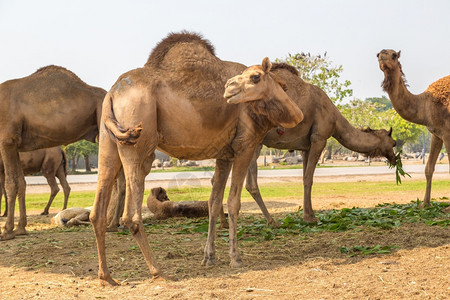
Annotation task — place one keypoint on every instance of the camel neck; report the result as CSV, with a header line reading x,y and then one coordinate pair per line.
x,y
355,139
409,106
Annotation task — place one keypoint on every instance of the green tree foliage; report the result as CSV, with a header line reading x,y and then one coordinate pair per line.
x,y
79,149
319,70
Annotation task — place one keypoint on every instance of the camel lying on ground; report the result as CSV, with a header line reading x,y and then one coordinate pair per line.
x,y
175,102
160,205
52,163
72,217
322,120
430,108
51,107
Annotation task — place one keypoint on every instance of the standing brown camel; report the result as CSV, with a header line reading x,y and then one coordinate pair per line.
x,y
50,107
52,163
430,108
322,120
177,100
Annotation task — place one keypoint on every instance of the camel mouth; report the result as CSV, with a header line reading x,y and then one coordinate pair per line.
x,y
233,97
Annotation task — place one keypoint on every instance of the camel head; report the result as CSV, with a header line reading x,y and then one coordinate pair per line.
x,y
267,92
160,194
388,60
386,145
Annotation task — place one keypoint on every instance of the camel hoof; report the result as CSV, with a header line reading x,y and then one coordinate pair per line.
x,y
20,231
208,262
109,282
424,205
236,263
274,223
44,213
310,219
7,236
162,278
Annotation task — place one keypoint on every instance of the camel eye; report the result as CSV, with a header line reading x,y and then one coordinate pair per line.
x,y
255,78
394,56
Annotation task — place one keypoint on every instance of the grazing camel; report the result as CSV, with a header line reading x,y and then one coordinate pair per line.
x,y
52,163
160,205
48,108
177,101
322,120
430,108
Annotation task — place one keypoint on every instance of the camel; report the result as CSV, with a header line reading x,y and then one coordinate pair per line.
x,y
430,108
322,120
175,103
48,108
160,205
52,163
73,216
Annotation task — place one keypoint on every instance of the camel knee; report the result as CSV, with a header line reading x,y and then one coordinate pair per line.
x,y
54,191
131,222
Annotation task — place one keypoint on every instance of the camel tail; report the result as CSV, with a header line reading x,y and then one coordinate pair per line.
x,y
116,131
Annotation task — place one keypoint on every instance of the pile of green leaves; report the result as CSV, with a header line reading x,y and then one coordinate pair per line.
x,y
382,217
398,168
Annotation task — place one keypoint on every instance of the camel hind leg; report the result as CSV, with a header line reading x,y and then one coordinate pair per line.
x,y
136,166
109,165
65,185
54,190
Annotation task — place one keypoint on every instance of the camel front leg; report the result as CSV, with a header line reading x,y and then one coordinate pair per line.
x,y
20,229
215,207
435,148
11,163
446,140
310,159
252,187
54,190
3,192
240,168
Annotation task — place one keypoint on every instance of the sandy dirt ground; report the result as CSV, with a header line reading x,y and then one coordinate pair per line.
x,y
50,263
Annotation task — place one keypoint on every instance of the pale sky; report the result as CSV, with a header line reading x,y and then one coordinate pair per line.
x,y
100,40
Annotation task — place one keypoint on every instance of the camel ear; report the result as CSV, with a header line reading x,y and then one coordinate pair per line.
x,y
266,65
398,53
390,132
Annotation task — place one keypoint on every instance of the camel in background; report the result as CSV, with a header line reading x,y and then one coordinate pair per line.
x,y
430,108
52,163
322,120
175,102
48,108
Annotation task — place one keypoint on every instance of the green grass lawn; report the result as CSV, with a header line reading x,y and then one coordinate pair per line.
x,y
269,191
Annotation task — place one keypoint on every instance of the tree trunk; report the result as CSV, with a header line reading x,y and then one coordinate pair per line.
x,y
117,203
87,163
74,165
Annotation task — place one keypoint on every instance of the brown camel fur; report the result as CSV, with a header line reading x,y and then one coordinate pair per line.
x,y
52,163
177,100
160,205
73,216
322,120
430,108
51,107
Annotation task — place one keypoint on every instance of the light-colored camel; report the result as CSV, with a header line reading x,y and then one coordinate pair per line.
x,y
177,100
52,163
430,108
73,216
51,107
322,120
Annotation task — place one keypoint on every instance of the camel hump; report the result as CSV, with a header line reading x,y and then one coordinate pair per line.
x,y
115,130
440,90
162,48
51,69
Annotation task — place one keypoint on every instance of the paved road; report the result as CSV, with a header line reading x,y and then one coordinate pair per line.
x,y
335,171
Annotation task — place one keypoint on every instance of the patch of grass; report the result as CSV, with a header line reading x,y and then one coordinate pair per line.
x,y
361,250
